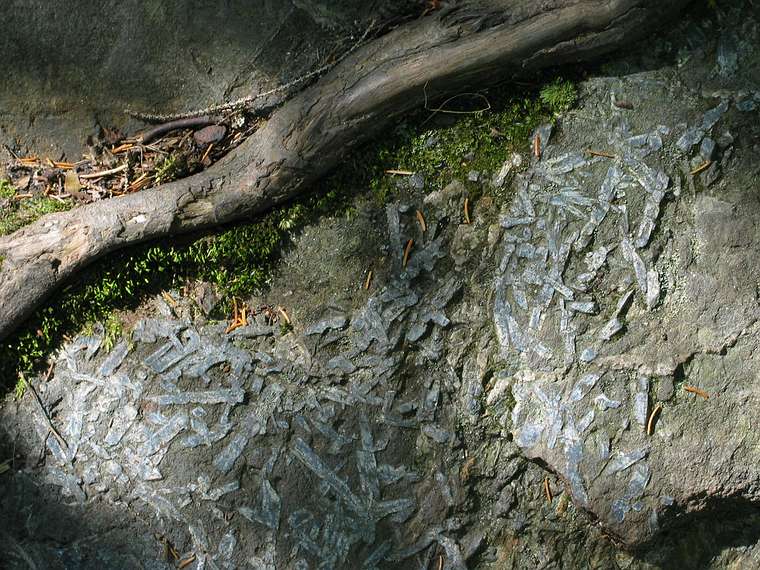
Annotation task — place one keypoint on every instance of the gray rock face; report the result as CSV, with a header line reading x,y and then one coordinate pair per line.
x,y
673,276
548,361
71,66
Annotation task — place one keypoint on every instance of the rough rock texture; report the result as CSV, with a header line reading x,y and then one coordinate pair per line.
x,y
626,282
425,421
70,67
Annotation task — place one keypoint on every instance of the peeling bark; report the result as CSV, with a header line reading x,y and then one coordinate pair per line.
x,y
473,43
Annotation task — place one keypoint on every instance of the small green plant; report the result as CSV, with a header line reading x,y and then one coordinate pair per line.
x,y
6,189
294,217
171,168
114,330
559,96
20,389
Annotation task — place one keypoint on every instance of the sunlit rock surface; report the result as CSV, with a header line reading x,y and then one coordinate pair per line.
x,y
569,381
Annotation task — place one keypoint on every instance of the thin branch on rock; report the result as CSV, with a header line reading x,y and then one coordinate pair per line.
x,y
247,102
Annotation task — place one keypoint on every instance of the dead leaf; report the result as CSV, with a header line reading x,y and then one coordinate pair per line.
x,y
71,183
23,183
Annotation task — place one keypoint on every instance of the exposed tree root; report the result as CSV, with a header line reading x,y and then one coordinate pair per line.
x,y
473,43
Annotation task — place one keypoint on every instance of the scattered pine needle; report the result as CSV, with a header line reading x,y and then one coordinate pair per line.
x,y
368,281
187,561
141,182
399,172
122,148
600,153
208,151
169,299
537,145
653,418
239,318
421,220
548,490
467,211
407,249
697,391
704,166
103,173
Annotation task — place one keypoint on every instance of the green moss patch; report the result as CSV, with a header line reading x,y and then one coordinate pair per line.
x,y
559,96
15,214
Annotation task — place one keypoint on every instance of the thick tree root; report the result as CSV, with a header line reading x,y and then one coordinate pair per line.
x,y
474,43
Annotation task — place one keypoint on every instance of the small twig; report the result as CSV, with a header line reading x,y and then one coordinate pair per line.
x,y
187,561
368,281
122,148
49,422
247,101
442,108
697,391
9,150
169,299
59,198
143,180
103,173
467,211
235,319
537,145
400,172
